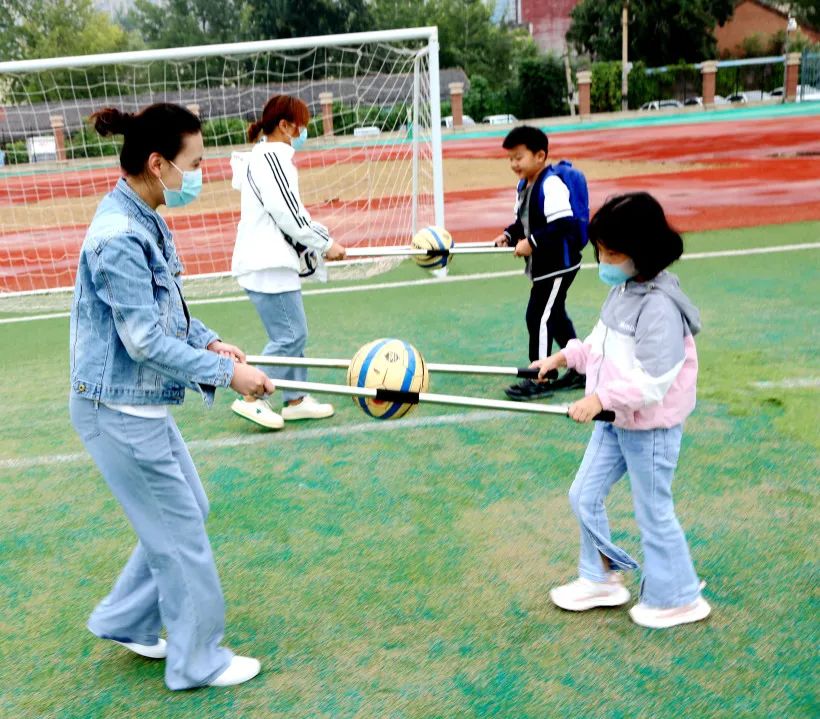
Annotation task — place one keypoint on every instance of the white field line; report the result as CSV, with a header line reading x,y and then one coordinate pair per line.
x,y
796,383
274,439
455,278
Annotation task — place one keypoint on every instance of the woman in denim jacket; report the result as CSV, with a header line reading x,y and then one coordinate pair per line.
x,y
134,350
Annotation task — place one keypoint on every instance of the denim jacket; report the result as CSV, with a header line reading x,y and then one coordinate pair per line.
x,y
132,338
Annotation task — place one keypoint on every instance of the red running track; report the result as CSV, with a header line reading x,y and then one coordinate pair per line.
x,y
767,173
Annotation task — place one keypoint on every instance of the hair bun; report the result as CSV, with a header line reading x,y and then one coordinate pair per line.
x,y
110,121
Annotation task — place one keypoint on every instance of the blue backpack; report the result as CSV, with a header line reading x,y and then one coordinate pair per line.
x,y
578,194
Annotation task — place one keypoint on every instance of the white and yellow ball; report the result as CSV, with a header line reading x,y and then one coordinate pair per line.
x,y
387,364
432,238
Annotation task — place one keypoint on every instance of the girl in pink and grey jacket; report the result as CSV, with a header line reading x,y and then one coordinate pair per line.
x,y
640,362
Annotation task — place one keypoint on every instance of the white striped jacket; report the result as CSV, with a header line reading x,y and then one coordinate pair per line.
x,y
273,218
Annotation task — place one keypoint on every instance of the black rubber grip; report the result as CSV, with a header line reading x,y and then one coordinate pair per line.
x,y
395,395
528,373
438,253
606,416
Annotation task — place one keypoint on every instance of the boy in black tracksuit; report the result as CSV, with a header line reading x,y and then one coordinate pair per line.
x,y
546,233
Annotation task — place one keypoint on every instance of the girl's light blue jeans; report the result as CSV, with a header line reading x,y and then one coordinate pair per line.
x,y
650,458
283,315
171,578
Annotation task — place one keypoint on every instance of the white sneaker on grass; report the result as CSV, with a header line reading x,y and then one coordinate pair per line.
x,y
149,651
258,411
656,618
583,594
308,408
240,670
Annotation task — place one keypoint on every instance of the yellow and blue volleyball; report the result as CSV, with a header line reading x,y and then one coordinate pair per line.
x,y
432,238
388,364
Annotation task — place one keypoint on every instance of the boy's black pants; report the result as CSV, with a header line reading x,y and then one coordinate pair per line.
x,y
547,318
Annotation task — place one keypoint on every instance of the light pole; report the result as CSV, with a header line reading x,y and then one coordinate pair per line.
x,y
791,26
624,59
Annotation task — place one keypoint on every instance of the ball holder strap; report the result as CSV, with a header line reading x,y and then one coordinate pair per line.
x,y
386,395
395,395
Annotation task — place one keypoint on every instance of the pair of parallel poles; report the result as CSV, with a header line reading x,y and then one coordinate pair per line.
x,y
417,397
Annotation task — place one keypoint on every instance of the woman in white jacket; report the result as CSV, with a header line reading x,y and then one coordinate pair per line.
x,y
277,244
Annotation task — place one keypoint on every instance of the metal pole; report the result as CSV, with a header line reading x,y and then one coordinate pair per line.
x,y
445,399
412,251
414,128
200,51
432,367
624,58
570,89
435,121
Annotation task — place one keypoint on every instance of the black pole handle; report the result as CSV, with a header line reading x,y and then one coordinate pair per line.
x,y
606,416
531,373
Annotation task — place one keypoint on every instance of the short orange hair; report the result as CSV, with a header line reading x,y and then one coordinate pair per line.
x,y
279,107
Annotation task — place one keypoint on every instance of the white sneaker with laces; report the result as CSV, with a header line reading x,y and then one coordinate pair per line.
x,y
151,651
583,594
240,670
656,618
308,408
258,411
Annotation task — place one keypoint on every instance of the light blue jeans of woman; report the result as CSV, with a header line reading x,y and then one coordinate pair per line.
x,y
650,458
171,578
283,315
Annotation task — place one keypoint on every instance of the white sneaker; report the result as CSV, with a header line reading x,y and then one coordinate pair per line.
x,y
240,670
583,594
440,272
308,408
151,651
258,411
655,618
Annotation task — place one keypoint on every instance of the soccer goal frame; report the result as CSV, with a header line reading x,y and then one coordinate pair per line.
x,y
423,41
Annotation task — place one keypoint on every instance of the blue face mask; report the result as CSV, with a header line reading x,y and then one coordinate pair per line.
x,y
616,274
191,187
297,142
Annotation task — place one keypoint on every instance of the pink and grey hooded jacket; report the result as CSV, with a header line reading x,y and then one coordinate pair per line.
x,y
640,358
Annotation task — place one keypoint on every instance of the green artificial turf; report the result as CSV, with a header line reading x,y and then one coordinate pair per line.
x,y
401,569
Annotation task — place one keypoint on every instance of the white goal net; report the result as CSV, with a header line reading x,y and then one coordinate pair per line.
x,y
370,171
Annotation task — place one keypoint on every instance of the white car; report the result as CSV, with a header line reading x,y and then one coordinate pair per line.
x,y
698,100
466,121
661,104
499,119
803,94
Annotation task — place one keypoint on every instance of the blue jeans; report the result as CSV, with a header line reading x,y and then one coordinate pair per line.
x,y
283,316
650,458
171,577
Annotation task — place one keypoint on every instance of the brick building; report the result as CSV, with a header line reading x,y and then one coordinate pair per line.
x,y
755,17
548,21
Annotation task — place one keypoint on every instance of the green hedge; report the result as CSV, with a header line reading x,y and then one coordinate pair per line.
x,y
88,143
16,153
677,81
224,131
346,118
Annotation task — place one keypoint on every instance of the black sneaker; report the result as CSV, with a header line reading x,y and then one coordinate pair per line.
x,y
569,380
527,390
